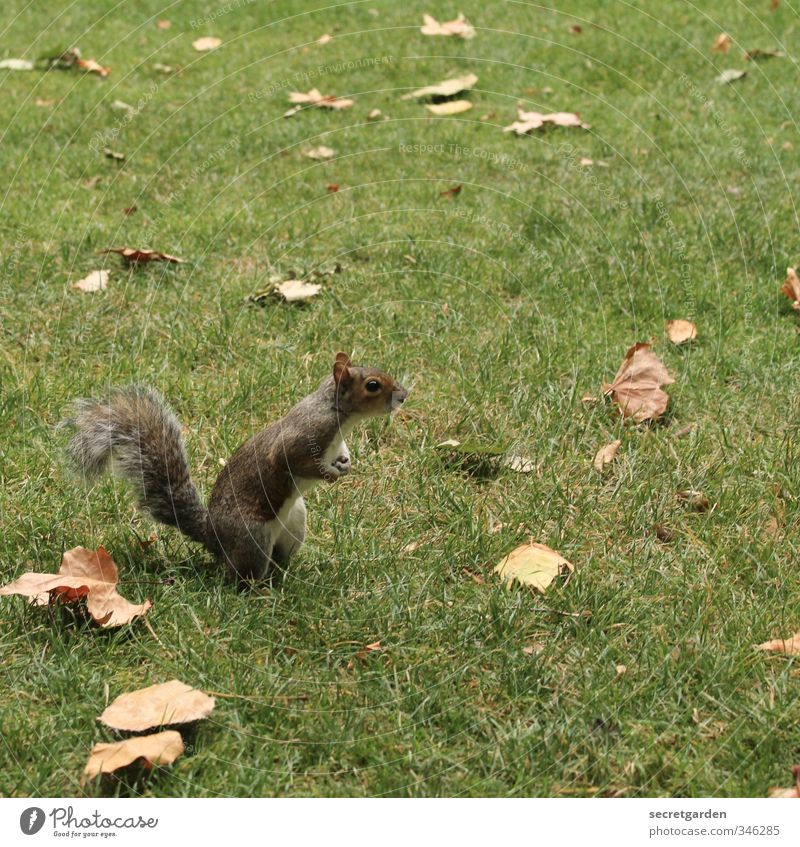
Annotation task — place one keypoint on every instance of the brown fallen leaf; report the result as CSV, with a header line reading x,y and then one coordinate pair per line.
x,y
161,748
533,564
459,27
680,331
165,704
44,102
788,646
575,29
722,43
316,99
96,281
113,154
475,577
207,43
791,287
696,499
754,55
730,75
165,24
83,574
788,793
133,256
295,290
374,115
451,192
636,388
606,455
448,88
364,651
92,67
130,210
333,187
527,121
325,38
449,107
320,153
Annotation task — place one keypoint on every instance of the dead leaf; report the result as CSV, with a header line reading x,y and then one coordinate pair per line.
x,y
315,98
730,75
754,55
133,256
451,192
164,704
164,69
787,646
130,210
606,455
475,577
621,670
92,67
680,331
320,153
161,748
324,39
637,386
16,65
722,43
696,499
83,574
96,281
575,29
113,154
364,651
527,121
458,27
207,43
791,287
333,187
295,290
794,791
374,115
165,24
520,464
533,564
533,649
449,107
448,88
44,101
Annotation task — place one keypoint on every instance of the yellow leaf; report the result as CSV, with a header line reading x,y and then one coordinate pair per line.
x,y
449,107
605,455
533,564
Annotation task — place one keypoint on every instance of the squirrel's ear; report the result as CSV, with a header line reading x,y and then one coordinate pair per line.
x,y
340,369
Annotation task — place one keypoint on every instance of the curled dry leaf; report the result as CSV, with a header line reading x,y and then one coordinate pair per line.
x,y
527,121
787,646
448,88
788,793
637,386
460,27
96,281
722,43
165,704
132,256
533,564
207,43
320,153
696,499
791,287
680,331
449,107
84,574
730,75
295,290
92,67
451,192
754,55
161,748
606,455
316,99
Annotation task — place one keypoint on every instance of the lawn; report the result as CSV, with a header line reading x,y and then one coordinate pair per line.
x,y
502,307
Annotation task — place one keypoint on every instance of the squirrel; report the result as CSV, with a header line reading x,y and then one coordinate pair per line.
x,y
256,515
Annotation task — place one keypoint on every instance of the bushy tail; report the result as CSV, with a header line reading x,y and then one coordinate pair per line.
x,y
136,432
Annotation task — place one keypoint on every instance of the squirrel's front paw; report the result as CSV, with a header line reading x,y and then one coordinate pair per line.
x,y
342,465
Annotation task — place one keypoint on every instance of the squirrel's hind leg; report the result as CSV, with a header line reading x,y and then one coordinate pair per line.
x,y
290,533
244,546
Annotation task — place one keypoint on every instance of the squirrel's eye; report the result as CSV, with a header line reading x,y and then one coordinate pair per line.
x,y
373,385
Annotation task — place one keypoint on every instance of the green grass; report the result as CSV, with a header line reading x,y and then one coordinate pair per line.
x,y
549,271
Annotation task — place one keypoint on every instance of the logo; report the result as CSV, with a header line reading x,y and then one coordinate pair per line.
x,y
31,820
